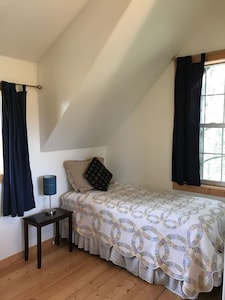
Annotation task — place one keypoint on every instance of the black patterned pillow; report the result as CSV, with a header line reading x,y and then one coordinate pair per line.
x,y
98,175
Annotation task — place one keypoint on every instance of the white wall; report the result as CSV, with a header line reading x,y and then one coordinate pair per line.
x,y
141,150
42,163
140,153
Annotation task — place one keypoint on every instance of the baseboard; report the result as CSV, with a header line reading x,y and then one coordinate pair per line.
x,y
4,263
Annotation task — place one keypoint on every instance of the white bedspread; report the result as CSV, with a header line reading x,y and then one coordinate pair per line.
x,y
180,234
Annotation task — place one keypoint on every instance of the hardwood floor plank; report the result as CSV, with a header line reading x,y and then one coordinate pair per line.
x,y
78,275
78,280
95,283
144,291
168,295
59,280
111,288
28,280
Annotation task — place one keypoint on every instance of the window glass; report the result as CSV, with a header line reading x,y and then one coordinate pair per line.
x,y
214,109
212,140
214,81
212,125
212,167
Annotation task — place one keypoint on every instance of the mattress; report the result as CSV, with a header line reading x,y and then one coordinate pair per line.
x,y
164,238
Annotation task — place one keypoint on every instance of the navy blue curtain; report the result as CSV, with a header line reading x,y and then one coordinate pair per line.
x,y
17,182
185,156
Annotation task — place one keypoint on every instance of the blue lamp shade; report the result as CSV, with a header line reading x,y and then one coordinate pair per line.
x,y
49,185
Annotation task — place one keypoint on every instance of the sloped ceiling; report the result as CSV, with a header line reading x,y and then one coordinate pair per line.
x,y
28,27
96,58
138,43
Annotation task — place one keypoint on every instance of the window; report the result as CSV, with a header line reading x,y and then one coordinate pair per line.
x,y
212,128
212,125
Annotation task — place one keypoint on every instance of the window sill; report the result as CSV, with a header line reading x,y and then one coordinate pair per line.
x,y
203,189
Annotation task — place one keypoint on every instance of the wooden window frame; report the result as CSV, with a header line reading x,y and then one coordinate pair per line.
x,y
212,190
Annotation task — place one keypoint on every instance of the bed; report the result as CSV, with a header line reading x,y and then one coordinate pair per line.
x,y
169,239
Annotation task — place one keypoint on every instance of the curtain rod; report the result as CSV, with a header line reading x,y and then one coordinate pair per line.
x,y
33,86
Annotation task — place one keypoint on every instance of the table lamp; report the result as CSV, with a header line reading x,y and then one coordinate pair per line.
x,y
49,188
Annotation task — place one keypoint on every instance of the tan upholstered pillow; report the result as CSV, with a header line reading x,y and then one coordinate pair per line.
x,y
75,170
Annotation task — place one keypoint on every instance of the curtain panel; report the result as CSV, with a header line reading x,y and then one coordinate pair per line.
x,y
17,182
187,95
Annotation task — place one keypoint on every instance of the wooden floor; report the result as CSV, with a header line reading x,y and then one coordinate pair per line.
x,y
78,275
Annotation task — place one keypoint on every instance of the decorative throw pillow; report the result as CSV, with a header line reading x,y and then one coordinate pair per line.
x,y
75,170
98,175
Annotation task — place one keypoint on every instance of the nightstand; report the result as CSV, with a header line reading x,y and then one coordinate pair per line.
x,y
42,219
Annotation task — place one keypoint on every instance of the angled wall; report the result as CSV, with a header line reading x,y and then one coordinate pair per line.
x,y
105,63
66,64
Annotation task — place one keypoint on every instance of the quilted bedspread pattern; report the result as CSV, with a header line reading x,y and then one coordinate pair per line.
x,y
178,233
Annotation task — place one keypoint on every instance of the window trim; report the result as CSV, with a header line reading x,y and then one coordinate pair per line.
x,y
211,57
212,190
202,189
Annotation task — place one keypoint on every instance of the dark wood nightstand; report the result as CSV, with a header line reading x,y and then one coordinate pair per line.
x,y
41,219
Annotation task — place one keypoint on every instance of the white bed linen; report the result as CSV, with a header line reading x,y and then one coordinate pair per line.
x,y
171,239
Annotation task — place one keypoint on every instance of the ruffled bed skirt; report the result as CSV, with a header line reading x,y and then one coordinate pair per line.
x,y
133,265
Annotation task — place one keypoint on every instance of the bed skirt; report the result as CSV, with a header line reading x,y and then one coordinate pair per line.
x,y
133,265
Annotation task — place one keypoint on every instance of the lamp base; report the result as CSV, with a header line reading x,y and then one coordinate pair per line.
x,y
50,211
